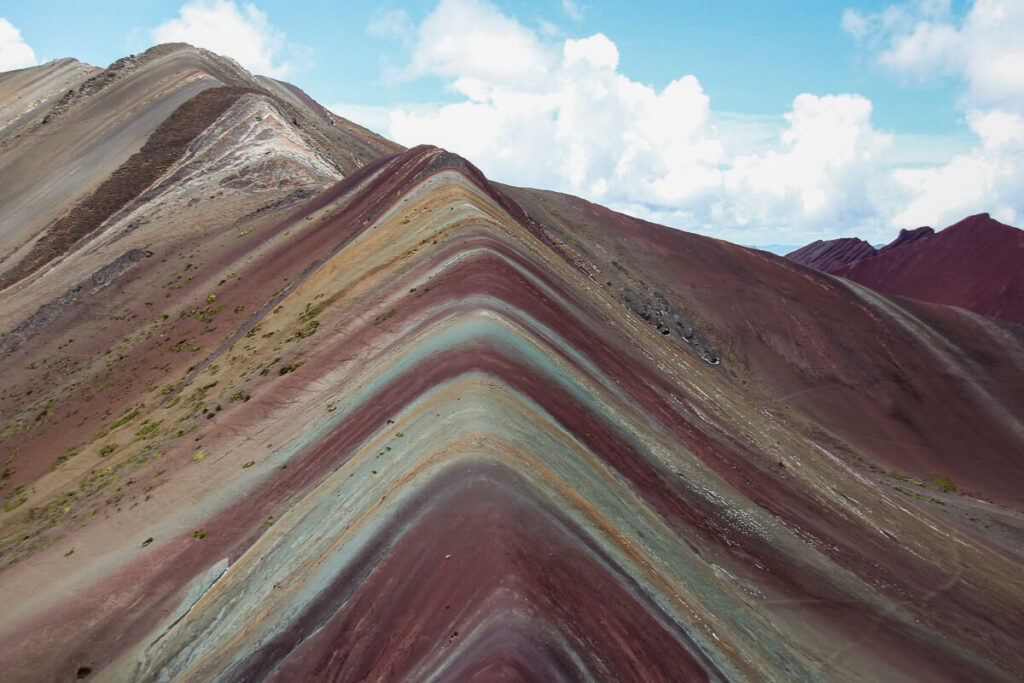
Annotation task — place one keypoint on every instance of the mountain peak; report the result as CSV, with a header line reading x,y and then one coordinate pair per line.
x,y
973,264
980,224
907,236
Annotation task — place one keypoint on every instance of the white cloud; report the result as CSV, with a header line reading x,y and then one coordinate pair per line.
x,y
981,47
559,114
607,132
926,40
472,42
243,33
929,48
821,171
373,116
990,177
15,53
595,52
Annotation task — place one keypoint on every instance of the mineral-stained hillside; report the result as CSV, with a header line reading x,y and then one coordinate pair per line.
x,y
310,406
976,264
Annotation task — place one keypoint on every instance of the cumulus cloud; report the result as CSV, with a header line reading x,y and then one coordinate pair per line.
x,y
561,115
990,177
981,47
821,172
472,42
15,53
926,40
535,110
243,33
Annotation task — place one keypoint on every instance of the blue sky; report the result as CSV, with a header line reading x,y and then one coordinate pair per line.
x,y
768,122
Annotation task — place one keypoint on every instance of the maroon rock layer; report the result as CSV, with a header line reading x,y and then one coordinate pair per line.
x,y
906,237
975,264
831,254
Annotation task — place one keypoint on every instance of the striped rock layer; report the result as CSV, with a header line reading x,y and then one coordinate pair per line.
x,y
414,425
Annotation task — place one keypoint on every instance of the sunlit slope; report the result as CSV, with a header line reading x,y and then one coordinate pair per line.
x,y
81,145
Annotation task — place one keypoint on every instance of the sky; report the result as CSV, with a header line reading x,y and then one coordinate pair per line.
x,y
775,122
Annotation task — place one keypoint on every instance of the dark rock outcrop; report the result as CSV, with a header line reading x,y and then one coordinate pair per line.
x,y
906,237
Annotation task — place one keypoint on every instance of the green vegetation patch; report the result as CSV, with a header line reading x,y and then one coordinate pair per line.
x,y
147,430
312,311
15,499
66,508
307,330
290,368
914,494
910,480
129,415
71,452
943,484
384,317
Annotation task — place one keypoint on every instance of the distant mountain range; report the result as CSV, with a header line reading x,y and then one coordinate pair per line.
x,y
780,249
283,400
976,264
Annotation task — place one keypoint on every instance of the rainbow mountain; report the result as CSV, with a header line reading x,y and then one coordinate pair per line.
x,y
283,400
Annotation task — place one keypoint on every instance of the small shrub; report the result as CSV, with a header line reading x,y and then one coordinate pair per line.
x,y
307,330
290,368
311,311
147,430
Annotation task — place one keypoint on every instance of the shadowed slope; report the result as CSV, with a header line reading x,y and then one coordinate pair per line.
x,y
917,387
906,237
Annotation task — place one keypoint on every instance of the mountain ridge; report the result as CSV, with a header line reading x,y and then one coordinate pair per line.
x,y
973,264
